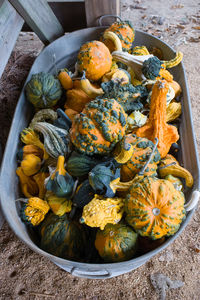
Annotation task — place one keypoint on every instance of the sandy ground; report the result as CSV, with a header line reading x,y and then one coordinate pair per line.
x,y
26,275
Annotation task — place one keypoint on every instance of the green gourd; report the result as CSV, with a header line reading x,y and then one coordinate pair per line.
x,y
63,121
100,178
79,165
60,182
56,140
83,195
116,242
63,237
43,90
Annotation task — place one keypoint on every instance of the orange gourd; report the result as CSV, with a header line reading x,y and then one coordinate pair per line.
x,y
125,32
95,59
98,128
154,208
65,79
142,148
70,112
156,126
76,99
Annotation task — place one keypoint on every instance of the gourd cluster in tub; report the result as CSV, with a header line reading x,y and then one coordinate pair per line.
x,y
97,168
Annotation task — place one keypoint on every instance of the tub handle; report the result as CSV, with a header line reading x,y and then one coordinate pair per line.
x,y
193,201
98,274
108,16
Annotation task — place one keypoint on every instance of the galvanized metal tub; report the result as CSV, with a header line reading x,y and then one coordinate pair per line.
x,y
59,54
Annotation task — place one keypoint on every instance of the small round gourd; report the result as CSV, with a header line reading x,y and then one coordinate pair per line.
x,y
43,90
63,237
116,242
95,59
154,208
98,128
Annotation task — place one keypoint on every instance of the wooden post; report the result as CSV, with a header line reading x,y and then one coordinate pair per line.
x,y
10,26
97,8
39,16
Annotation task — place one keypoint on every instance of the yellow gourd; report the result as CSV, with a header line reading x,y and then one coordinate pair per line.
x,y
30,137
170,166
30,164
58,205
40,180
34,211
101,211
28,186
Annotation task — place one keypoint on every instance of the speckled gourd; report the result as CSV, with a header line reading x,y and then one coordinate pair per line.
x,y
98,128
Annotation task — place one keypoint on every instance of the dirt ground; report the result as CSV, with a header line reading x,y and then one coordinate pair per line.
x,y
26,275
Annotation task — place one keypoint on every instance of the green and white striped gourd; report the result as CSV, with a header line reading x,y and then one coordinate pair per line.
x,y
56,140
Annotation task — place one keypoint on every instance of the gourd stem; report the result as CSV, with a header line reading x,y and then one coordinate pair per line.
x,y
141,172
62,114
169,165
22,200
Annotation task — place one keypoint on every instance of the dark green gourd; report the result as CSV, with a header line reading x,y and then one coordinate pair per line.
x,y
60,182
100,178
63,237
116,242
43,90
79,164
83,195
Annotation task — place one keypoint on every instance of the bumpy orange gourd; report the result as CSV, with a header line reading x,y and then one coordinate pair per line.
x,y
95,59
156,126
98,128
154,208
142,148
125,32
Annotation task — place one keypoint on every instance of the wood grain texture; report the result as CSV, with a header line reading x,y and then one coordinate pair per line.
x,y
10,26
39,16
97,8
65,0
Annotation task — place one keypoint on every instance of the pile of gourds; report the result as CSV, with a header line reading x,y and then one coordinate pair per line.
x,y
96,170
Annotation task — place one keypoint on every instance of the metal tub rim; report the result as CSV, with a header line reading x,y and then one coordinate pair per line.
x,y
105,266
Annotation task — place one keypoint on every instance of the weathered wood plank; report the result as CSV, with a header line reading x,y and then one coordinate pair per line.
x,y
10,26
39,16
65,0
96,8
